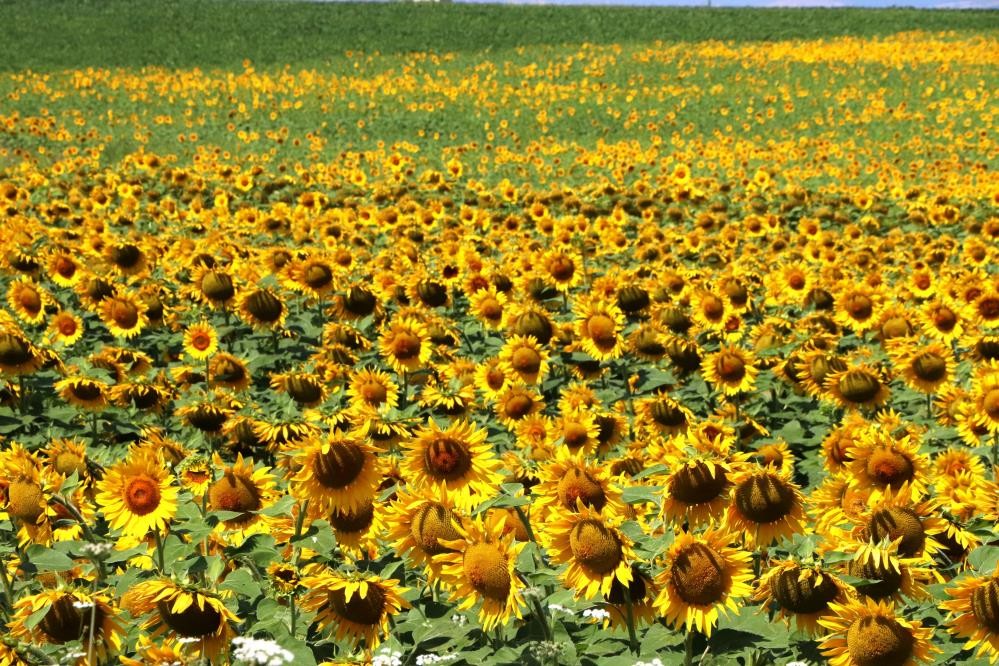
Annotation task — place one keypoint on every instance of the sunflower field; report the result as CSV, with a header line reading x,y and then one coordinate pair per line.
x,y
628,354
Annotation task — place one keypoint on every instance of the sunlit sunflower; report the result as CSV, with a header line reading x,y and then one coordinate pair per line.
x,y
859,387
899,516
339,472
974,608
592,546
487,305
136,495
83,392
18,356
68,620
480,564
864,632
697,488
883,573
64,269
357,302
359,531
517,402
200,341
305,388
942,320
27,300
242,490
599,327
166,652
881,461
418,524
183,611
702,579
404,344
458,458
766,506
857,307
925,367
262,308
523,358
370,387
985,394
801,592
570,477
123,314
357,606
65,328
731,370
662,415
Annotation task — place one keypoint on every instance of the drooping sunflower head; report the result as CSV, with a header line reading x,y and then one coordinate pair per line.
x,y
867,632
766,506
357,607
182,611
974,607
859,387
598,327
336,473
701,580
262,308
884,462
801,592
73,615
596,551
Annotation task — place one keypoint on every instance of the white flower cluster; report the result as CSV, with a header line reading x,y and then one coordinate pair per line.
x,y
98,551
459,620
430,658
82,604
596,614
387,658
559,608
260,652
655,662
545,650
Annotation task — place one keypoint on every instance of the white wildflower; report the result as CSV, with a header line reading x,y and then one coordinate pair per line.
x,y
260,652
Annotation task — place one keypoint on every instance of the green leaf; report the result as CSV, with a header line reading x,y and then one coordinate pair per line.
x,y
640,494
984,558
242,582
46,559
280,508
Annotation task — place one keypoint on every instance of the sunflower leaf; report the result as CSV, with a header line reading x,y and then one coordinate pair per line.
x,y
641,494
46,559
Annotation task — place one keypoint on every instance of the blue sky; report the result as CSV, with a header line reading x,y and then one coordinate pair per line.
x,y
929,4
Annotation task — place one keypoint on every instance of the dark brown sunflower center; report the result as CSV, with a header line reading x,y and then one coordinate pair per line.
x,y
518,405
30,300
878,641
895,327
712,308
365,611
889,468
859,307
192,622
491,308
264,306
340,466
667,414
85,390
525,360
600,328
318,276
141,494
432,523
944,319
698,575
802,595
899,522
217,286
360,301
304,389
575,435
447,459
577,484
405,346
124,314
858,386
796,281
64,622
985,605
730,367
234,493
561,268
126,256
595,546
884,579
357,520
929,367
636,588
697,483
988,308
764,499
486,569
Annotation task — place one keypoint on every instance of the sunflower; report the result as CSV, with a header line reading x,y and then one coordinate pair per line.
x,y
228,372
866,632
370,387
123,314
899,516
571,478
314,276
640,593
262,309
244,491
359,606
598,327
766,506
702,578
974,608
801,592
404,344
418,524
856,388
167,652
358,531
27,300
487,305
592,546
857,308
136,495
68,619
697,488
883,573
18,356
731,370
184,611
709,310
339,472
523,358
214,286
127,258
357,302
881,462
517,402
65,328
662,415
64,269
481,565
925,368
985,394
942,320
305,388
84,393
201,341
458,458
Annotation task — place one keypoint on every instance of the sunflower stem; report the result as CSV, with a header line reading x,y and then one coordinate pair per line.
x,y
160,557
540,613
995,455
294,612
929,406
77,516
630,608
93,427
688,649
8,589
93,621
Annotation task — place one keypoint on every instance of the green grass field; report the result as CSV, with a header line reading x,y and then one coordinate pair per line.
x,y
171,33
